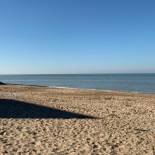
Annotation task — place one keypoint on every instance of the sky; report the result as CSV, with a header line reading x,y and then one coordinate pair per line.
x,y
77,36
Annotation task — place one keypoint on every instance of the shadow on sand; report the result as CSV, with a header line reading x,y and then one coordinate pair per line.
x,y
1,83
20,109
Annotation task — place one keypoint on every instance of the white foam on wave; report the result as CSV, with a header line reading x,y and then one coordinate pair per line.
x,y
99,90
87,89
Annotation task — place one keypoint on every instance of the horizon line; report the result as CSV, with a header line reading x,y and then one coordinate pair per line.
x,y
78,73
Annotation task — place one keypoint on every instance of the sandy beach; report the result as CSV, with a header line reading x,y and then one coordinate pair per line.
x,y
58,121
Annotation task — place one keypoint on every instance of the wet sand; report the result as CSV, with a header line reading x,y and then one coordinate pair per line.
x,y
42,120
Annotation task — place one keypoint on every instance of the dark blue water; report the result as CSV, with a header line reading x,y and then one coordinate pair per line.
x,y
121,82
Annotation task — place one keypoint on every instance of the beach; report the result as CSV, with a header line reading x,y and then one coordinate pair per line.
x,y
58,121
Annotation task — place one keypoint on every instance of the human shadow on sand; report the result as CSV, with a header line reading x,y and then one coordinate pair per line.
x,y
19,109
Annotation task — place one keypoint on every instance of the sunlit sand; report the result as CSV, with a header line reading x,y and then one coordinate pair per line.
x,y
73,121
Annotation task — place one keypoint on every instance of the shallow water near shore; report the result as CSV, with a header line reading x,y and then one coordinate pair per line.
x,y
118,82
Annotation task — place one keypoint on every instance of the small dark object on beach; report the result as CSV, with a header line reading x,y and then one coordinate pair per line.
x,y
1,83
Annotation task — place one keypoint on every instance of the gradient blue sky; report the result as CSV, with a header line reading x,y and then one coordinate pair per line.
x,y
77,36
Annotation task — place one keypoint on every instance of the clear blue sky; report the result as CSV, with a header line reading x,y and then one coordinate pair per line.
x,y
77,36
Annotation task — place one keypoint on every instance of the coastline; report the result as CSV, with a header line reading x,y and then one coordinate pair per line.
x,y
82,89
136,83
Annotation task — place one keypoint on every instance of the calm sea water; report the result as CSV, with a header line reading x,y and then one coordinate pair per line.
x,y
120,82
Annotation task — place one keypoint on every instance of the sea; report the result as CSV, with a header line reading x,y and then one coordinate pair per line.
x,y
109,82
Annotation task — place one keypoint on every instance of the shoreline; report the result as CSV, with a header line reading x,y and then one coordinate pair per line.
x,y
102,90
81,89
